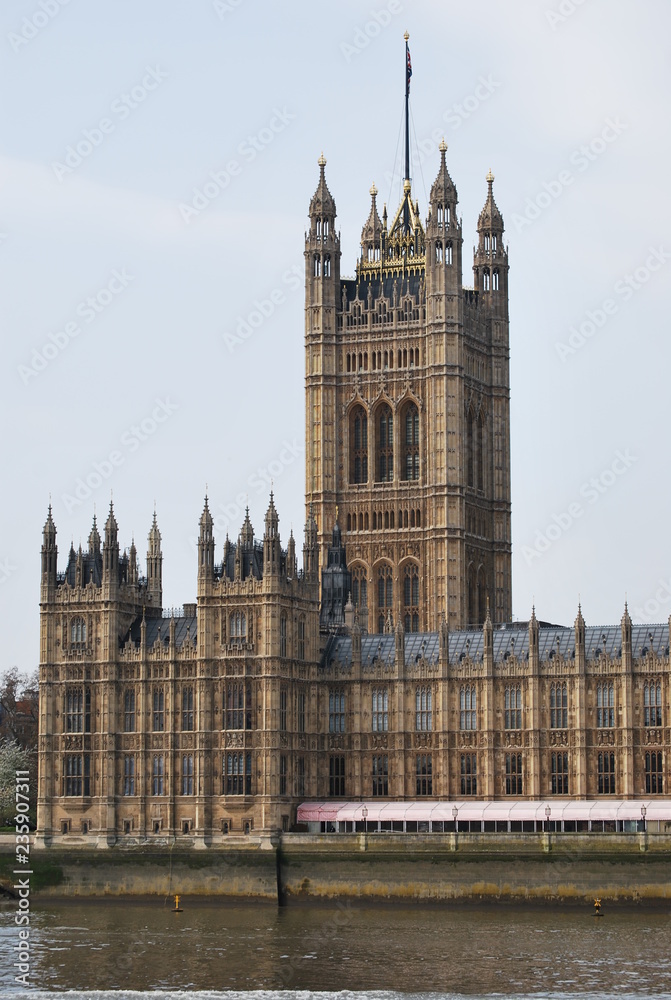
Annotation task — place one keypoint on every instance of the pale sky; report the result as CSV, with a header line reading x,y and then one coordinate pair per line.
x,y
128,275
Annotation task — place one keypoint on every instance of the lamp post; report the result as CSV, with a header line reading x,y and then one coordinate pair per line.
x,y
643,814
548,810
455,813
364,814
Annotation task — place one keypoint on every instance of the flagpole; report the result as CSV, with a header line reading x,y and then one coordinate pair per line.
x,y
407,116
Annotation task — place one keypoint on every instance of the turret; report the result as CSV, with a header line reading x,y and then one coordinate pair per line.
x,y
371,234
291,557
132,564
155,566
49,557
311,549
579,627
443,236
490,258
272,552
205,546
322,246
111,552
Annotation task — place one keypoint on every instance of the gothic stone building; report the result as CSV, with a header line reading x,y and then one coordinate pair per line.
x,y
387,666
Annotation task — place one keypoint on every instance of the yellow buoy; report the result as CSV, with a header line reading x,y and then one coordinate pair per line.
x,y
597,908
178,908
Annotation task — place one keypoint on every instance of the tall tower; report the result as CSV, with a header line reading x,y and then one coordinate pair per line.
x,y
407,408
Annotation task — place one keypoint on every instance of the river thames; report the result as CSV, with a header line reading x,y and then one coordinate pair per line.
x,y
132,949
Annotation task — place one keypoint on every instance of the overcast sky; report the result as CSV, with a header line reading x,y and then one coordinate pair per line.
x,y
132,282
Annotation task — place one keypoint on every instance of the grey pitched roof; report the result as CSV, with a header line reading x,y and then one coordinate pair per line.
x,y
508,641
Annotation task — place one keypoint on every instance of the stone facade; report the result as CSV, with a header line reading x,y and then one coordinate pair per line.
x,y
407,409
398,677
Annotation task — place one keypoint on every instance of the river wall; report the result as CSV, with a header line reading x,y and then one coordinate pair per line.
x,y
309,867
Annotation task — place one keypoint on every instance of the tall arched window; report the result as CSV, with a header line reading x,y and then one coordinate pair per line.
x,y
470,448
359,587
78,632
558,705
385,444
411,598
318,266
480,456
385,593
410,431
238,627
359,445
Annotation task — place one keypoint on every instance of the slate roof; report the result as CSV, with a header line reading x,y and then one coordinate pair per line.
x,y
508,641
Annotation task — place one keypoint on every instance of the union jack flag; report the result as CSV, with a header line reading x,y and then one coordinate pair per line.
x,y
409,70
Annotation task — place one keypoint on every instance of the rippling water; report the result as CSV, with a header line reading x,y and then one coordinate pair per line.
x,y
141,951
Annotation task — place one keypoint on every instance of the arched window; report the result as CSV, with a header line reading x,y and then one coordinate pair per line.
x,y
411,598
238,627
318,266
410,430
513,707
359,445
187,709
359,587
481,451
470,448
327,266
485,280
448,253
605,705
495,281
468,707
439,252
78,632
385,593
558,705
652,703
385,444
423,712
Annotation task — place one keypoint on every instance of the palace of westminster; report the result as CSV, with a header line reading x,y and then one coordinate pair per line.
x,y
389,665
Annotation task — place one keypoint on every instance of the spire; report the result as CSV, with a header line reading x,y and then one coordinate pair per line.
x,y
311,548
111,550
49,554
154,565
247,531
443,192
206,546
323,202
272,552
94,538
372,231
490,218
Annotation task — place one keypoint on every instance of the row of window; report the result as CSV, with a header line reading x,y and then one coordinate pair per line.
x,y
513,774
238,705
236,774
384,520
409,312
381,360
383,459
